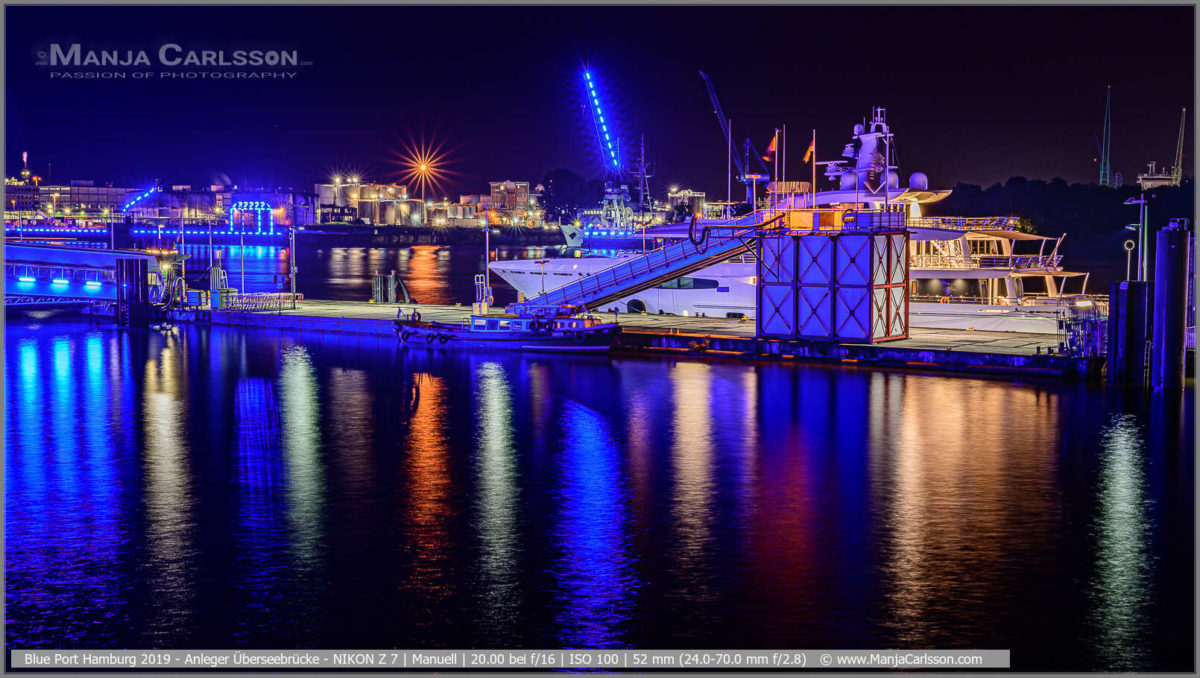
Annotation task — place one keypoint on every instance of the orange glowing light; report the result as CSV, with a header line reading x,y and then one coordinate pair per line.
x,y
423,166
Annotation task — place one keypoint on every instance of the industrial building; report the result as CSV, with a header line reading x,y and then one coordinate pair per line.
x,y
79,202
510,203
350,200
694,200
223,207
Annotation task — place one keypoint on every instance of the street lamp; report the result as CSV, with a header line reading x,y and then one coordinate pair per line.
x,y
542,263
20,229
1143,236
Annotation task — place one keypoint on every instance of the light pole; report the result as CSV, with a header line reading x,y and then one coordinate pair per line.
x,y
1129,245
292,261
241,248
1143,237
487,254
542,263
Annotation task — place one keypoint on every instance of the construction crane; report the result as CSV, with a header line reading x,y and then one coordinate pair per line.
x,y
1177,169
1153,178
1105,165
747,173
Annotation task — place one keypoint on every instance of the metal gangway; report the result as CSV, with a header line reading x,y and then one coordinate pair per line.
x,y
707,244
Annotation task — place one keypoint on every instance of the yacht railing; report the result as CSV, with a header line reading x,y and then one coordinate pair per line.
x,y
1018,262
965,223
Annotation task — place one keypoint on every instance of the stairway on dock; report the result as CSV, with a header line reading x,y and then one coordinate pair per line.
x,y
716,243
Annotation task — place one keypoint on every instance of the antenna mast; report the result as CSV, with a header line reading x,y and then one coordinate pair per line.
x,y
1177,170
643,177
1105,166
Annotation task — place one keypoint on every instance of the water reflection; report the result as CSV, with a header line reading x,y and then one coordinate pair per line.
x,y
261,518
963,506
426,535
301,414
497,503
1121,588
692,495
168,493
595,579
217,486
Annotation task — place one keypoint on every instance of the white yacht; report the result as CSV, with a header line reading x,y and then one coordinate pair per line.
x,y
965,273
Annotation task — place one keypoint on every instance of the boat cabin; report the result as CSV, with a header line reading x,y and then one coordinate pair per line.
x,y
479,323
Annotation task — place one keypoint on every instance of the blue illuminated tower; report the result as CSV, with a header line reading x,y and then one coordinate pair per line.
x,y
606,134
1105,166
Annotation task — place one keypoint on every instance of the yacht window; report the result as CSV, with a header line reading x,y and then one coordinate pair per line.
x,y
686,283
492,323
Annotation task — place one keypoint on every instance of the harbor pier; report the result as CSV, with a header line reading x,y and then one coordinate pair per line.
x,y
1009,353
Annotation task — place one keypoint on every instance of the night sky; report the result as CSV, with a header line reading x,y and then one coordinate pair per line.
x,y
974,94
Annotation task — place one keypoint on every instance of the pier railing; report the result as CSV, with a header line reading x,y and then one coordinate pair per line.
x,y
1082,332
255,302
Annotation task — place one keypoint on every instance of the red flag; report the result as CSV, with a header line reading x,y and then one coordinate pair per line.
x,y
771,147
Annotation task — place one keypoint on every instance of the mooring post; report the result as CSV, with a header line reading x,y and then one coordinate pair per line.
x,y
1170,306
1128,303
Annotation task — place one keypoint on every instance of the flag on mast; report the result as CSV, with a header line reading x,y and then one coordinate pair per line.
x,y
771,147
812,147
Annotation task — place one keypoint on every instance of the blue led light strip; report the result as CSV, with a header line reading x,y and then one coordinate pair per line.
x,y
602,126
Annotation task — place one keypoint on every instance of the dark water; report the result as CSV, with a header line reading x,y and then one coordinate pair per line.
x,y
215,487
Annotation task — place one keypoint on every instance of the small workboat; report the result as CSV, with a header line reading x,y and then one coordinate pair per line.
x,y
561,333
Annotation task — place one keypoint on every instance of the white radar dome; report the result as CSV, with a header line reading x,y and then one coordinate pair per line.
x,y
918,181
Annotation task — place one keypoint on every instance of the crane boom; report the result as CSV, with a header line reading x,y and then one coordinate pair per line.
x,y
744,166
1177,169
723,121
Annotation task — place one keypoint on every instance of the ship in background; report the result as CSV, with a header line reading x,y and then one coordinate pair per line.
x,y
965,273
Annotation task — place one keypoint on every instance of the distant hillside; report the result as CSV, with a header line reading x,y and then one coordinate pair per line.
x,y
1092,217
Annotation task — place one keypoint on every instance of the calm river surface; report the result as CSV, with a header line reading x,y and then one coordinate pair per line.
x,y
217,487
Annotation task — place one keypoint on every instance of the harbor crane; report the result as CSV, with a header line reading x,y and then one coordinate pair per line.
x,y
747,173
1105,165
1177,169
1153,178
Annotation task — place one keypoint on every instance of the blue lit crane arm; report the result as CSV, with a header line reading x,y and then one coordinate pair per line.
x,y
606,137
744,166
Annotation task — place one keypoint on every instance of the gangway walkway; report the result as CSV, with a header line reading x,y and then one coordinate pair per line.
x,y
718,242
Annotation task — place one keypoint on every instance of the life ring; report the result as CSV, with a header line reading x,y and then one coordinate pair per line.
x,y
535,326
429,338
404,335
580,337
443,338
944,300
416,316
